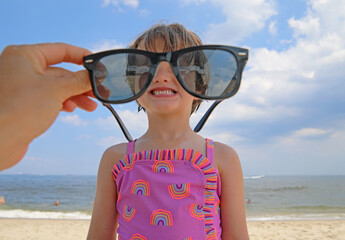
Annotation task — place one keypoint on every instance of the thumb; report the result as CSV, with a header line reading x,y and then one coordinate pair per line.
x,y
75,83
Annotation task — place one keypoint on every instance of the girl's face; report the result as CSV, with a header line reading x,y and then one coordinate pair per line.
x,y
165,94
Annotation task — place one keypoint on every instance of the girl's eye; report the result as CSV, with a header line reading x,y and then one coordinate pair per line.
x,y
142,70
137,70
187,69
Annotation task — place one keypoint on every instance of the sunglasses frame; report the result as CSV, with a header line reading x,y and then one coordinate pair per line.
x,y
241,55
90,63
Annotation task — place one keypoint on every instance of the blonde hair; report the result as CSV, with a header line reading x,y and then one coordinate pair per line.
x,y
175,36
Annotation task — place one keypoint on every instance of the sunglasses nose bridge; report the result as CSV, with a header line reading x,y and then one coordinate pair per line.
x,y
164,57
163,67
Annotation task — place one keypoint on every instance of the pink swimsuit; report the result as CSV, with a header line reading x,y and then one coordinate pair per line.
x,y
168,194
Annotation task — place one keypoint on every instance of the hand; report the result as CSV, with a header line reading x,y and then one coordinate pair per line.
x,y
32,93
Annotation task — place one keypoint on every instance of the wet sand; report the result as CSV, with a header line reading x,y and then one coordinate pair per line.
x,y
35,229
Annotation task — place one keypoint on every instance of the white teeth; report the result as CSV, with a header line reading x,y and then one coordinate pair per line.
x,y
164,92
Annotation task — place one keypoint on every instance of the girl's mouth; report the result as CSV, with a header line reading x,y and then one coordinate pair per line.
x,y
163,92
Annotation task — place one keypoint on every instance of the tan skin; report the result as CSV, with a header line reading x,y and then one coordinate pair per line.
x,y
169,129
33,92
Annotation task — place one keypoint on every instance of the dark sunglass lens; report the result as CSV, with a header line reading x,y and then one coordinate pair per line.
x,y
121,76
209,72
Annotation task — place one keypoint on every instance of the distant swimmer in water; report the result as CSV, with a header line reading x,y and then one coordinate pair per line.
x,y
249,201
56,203
2,200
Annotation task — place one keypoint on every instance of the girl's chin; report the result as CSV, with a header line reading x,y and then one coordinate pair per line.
x,y
166,109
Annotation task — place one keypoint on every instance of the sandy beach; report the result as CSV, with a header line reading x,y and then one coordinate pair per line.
x,y
32,229
296,230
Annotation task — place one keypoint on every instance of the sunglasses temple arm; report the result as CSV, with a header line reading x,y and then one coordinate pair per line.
x,y
128,136
119,121
203,120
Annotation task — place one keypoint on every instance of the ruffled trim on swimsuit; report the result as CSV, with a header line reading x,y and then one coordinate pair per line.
x,y
190,155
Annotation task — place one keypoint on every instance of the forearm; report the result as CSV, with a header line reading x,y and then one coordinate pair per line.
x,y
102,229
13,143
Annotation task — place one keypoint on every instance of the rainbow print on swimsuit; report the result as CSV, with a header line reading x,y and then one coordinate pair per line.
x,y
179,191
188,238
141,187
194,158
210,144
196,211
217,208
128,213
137,236
163,167
161,217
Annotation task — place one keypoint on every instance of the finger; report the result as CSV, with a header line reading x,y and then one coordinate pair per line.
x,y
57,73
76,84
68,106
68,84
45,54
85,103
90,94
55,53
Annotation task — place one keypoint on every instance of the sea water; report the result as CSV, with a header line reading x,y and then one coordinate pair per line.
x,y
267,197
33,196
295,197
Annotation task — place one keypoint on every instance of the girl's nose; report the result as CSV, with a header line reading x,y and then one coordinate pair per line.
x,y
164,73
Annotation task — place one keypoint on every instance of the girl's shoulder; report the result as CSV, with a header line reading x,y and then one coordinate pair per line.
x,y
113,154
225,158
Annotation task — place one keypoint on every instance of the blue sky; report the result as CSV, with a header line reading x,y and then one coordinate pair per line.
x,y
287,119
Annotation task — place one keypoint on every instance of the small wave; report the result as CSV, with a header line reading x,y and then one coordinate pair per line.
x,y
290,188
297,217
19,213
254,177
318,208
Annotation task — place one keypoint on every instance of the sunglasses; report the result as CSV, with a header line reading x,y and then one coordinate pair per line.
x,y
210,72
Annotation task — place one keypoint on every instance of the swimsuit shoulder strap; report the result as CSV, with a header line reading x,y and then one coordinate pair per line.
x,y
210,150
130,147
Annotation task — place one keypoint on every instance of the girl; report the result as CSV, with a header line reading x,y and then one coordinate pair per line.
x,y
170,183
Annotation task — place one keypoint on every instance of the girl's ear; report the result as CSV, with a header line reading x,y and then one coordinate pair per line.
x,y
140,107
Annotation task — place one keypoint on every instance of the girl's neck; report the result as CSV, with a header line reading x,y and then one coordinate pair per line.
x,y
168,126
167,131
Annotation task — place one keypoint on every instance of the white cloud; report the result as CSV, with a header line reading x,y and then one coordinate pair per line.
x,y
106,45
144,13
309,132
134,119
225,137
135,122
106,123
31,158
321,152
277,83
73,120
272,28
109,141
83,137
308,135
242,19
308,26
129,3
286,41
339,133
